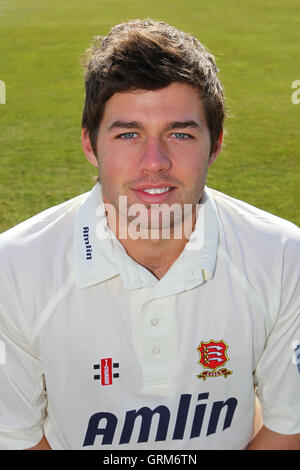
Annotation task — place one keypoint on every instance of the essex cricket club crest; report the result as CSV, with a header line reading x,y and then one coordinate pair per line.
x,y
213,356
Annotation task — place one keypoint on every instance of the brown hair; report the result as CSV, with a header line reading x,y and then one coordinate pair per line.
x,y
149,55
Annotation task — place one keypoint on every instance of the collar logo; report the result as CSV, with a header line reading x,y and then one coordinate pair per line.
x,y
86,239
213,356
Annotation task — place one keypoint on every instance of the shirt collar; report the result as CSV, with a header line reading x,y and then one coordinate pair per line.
x,y
99,256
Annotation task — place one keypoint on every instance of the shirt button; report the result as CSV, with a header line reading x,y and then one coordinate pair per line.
x,y
156,351
154,321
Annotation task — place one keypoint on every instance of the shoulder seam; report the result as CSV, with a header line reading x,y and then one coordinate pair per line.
x,y
57,297
241,280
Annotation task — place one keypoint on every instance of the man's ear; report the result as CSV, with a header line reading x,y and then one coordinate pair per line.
x,y
87,147
217,149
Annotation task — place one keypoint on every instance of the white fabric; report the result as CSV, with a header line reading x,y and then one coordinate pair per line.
x,y
69,299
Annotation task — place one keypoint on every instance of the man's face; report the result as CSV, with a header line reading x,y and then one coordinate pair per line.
x,y
154,147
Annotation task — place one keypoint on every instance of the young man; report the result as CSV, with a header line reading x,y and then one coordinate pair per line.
x,y
147,313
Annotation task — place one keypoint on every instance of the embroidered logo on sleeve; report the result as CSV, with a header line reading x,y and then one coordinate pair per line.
x,y
213,356
296,354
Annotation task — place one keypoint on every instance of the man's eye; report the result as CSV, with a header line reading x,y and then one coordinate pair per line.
x,y
181,135
127,135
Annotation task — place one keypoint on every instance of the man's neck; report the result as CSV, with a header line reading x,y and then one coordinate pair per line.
x,y
155,255
154,251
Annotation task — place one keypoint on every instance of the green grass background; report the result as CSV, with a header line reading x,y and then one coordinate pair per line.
x,y
257,47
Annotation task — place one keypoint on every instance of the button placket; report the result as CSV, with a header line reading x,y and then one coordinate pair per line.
x,y
155,336
156,351
155,332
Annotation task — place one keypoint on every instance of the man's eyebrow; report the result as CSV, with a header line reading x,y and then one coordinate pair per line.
x,y
181,125
125,125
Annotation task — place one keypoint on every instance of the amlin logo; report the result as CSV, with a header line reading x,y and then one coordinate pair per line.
x,y
102,425
88,248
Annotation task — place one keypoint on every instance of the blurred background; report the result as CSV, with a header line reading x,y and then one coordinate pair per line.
x,y
257,48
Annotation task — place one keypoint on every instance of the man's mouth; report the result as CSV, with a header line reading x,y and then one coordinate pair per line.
x,y
157,190
153,195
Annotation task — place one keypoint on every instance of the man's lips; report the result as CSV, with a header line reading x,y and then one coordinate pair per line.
x,y
153,193
142,186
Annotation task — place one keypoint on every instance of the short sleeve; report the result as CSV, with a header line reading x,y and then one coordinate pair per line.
x,y
22,392
277,373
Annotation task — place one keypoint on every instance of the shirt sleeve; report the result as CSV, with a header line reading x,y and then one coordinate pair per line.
x,y
277,374
22,391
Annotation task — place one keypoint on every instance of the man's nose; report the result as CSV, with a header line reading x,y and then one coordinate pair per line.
x,y
154,158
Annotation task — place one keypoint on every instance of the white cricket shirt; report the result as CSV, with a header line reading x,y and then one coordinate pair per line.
x,y
102,355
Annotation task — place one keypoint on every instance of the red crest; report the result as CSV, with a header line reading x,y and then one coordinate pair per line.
x,y
213,354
